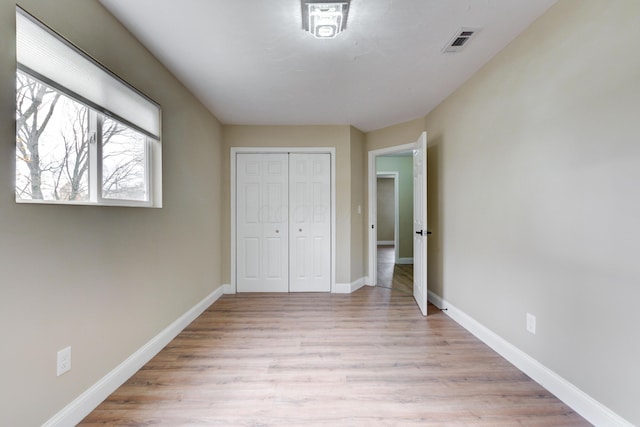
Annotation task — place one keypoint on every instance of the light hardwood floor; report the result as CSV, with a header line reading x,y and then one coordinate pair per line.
x,y
365,359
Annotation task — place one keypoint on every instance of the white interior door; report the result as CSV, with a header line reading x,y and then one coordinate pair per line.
x,y
310,222
420,223
262,223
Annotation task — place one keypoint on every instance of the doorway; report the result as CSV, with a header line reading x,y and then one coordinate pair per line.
x,y
409,162
394,204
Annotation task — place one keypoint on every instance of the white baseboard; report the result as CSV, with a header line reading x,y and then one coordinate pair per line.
x,y
405,261
435,299
359,283
348,288
589,408
227,289
82,406
386,242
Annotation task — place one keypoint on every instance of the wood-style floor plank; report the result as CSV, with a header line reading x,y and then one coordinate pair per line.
x,y
366,359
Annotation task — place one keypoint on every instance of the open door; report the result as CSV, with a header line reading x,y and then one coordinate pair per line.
x,y
420,223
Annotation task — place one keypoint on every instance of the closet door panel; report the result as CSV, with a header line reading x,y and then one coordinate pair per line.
x,y
310,222
262,243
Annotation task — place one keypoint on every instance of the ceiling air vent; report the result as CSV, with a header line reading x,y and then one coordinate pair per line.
x,y
460,40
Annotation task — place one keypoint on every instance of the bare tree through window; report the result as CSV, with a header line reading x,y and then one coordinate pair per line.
x,y
35,104
123,162
55,139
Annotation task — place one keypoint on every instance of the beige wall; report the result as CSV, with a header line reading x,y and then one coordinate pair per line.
x,y
386,209
103,280
400,134
534,201
358,219
299,136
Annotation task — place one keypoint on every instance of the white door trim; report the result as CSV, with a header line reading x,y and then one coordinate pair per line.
x,y
321,150
372,226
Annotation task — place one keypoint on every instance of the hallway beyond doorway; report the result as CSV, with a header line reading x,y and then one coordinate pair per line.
x,y
398,277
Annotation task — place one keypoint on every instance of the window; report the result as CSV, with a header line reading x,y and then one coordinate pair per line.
x,y
83,135
123,162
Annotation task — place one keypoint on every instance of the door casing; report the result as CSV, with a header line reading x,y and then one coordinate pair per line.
x,y
232,288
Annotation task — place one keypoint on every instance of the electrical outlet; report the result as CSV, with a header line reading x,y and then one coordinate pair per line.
x,y
531,323
64,360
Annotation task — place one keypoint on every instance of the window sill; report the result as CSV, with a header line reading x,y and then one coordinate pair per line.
x,y
112,203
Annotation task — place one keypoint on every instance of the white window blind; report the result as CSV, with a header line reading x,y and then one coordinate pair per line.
x,y
48,56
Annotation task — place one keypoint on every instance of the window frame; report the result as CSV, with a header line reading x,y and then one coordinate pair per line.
x,y
152,143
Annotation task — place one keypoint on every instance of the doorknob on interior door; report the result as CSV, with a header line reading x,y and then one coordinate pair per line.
x,y
423,232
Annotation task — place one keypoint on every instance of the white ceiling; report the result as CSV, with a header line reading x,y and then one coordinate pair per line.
x,y
250,62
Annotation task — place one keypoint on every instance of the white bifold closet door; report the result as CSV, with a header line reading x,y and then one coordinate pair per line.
x,y
262,222
283,222
310,222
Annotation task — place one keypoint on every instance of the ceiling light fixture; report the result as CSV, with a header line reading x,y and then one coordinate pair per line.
x,y
325,20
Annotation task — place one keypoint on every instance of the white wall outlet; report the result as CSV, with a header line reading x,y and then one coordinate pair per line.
x,y
64,360
531,323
